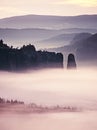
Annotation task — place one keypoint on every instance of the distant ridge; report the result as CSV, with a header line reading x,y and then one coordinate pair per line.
x,y
48,21
84,46
41,38
84,15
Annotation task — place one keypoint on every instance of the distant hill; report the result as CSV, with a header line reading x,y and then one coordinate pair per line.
x,y
87,50
45,31
84,46
79,38
19,37
78,30
75,43
41,38
49,22
57,41
66,34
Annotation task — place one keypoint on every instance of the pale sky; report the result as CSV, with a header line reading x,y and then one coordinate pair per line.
x,y
47,7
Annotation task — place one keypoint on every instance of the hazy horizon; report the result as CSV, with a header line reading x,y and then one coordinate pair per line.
x,y
52,15
46,7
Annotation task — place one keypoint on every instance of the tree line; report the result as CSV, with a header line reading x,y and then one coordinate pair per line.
x,y
3,101
26,57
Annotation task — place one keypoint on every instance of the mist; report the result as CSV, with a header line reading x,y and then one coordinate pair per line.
x,y
51,87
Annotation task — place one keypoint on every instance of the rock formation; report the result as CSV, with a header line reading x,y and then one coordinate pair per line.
x,y
71,63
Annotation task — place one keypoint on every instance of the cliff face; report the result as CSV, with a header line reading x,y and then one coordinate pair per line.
x,y
26,57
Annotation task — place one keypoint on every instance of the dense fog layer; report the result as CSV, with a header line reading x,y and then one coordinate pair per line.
x,y
68,121
51,86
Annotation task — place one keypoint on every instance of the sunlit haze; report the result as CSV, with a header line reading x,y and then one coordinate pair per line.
x,y
47,7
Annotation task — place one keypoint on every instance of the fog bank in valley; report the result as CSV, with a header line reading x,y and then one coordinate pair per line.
x,y
50,86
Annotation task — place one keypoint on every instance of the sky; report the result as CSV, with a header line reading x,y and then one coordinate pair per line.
x,y
47,7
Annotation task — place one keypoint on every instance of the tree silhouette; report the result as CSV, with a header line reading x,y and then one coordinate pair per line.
x,y
26,57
